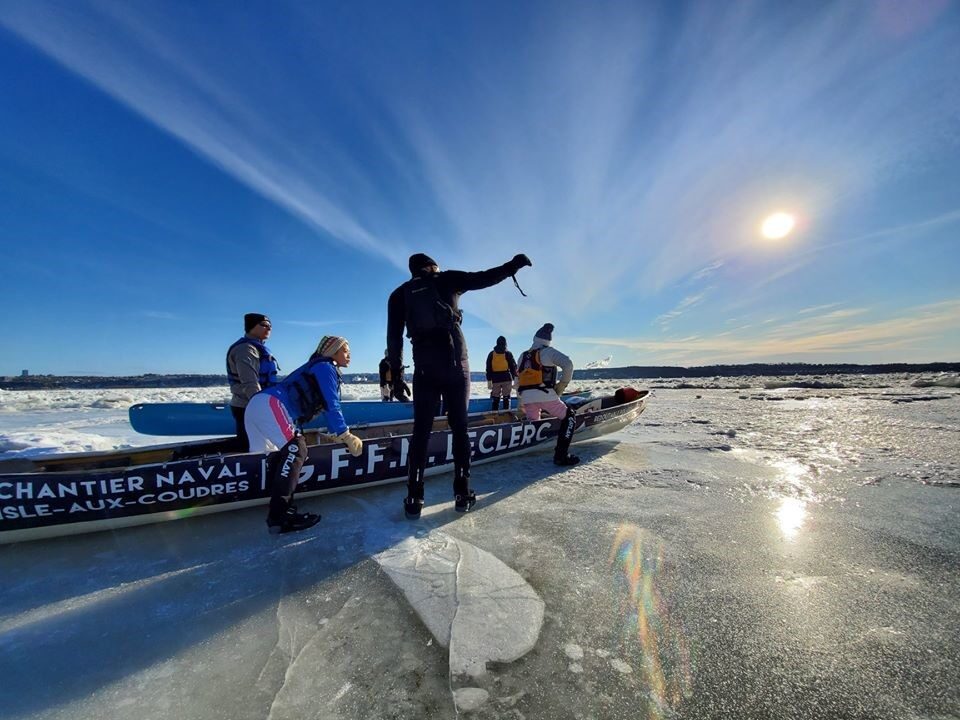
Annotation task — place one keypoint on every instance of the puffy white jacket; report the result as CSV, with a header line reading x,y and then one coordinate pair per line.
x,y
549,356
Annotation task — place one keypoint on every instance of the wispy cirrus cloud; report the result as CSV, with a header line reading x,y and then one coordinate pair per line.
x,y
621,147
902,231
160,315
153,65
923,333
318,323
707,271
816,308
688,302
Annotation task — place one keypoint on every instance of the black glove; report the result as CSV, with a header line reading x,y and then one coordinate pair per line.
x,y
401,391
521,260
398,386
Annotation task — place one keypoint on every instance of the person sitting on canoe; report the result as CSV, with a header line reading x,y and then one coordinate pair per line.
x,y
250,368
275,416
538,389
501,372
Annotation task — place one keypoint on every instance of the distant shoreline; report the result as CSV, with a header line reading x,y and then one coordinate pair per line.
x,y
150,380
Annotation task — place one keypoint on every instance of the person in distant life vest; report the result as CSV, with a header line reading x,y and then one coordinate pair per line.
x,y
428,306
501,372
250,368
274,422
387,381
539,390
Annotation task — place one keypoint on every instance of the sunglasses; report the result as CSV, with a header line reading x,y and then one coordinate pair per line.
x,y
266,325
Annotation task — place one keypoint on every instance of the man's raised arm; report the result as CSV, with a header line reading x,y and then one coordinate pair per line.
x,y
462,281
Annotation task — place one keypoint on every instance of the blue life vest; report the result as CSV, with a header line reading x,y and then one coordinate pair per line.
x,y
269,366
305,399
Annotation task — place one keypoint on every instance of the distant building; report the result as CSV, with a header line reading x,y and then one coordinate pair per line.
x,y
24,373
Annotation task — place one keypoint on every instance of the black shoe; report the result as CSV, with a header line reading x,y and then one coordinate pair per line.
x,y
464,503
291,521
566,460
412,508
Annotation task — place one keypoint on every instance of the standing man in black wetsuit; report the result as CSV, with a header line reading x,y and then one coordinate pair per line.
x,y
428,306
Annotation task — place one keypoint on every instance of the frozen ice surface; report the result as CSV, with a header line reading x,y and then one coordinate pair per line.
x,y
472,603
789,552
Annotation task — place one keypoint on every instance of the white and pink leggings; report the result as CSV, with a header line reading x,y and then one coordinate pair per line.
x,y
553,408
268,423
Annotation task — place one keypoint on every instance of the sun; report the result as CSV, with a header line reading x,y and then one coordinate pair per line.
x,y
778,226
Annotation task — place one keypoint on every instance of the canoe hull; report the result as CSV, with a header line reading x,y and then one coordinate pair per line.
x,y
46,504
182,419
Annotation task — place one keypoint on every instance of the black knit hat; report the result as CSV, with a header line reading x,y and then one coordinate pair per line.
x,y
418,261
545,333
251,320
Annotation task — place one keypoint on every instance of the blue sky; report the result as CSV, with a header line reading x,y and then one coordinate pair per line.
x,y
167,166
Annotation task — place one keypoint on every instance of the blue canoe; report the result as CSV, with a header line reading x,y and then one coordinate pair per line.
x,y
216,419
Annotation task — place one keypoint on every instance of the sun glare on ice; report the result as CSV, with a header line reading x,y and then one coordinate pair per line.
x,y
778,226
790,516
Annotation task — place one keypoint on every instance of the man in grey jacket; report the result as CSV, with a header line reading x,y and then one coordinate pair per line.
x,y
250,368
539,389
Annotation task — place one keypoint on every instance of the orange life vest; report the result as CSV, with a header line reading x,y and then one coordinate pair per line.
x,y
498,363
533,374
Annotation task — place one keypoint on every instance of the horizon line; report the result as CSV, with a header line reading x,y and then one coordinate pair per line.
x,y
603,370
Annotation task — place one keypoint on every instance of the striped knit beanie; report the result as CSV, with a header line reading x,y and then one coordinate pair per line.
x,y
329,344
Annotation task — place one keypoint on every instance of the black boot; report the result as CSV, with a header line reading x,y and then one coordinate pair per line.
x,y
562,456
283,517
283,470
464,503
413,503
412,508
464,497
495,403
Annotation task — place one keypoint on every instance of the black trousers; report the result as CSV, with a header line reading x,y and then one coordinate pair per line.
x,y
431,384
283,471
243,442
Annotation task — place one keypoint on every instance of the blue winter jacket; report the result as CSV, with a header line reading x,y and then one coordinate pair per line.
x,y
311,389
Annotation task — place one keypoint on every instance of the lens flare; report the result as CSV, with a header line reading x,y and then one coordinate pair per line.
x,y
649,633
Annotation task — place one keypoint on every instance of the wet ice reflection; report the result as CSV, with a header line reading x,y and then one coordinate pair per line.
x,y
650,632
792,472
790,516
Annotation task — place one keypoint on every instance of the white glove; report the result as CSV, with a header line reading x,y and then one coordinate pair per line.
x,y
353,443
561,386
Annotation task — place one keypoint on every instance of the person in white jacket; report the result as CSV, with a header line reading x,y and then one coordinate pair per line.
x,y
539,389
